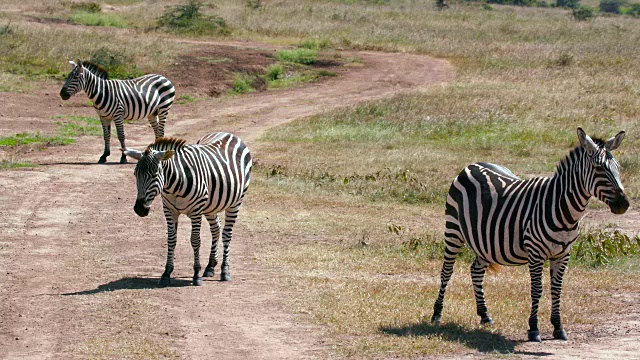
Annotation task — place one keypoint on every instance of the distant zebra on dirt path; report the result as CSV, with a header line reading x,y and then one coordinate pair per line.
x,y
149,96
199,179
508,221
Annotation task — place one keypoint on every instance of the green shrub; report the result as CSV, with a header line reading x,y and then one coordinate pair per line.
x,y
116,63
441,4
242,83
600,247
274,72
568,3
88,7
612,6
188,19
634,11
298,56
253,4
487,7
583,13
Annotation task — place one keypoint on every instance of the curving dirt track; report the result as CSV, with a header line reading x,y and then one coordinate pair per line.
x,y
79,268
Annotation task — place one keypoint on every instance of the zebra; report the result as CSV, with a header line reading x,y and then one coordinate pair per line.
x,y
509,221
149,96
199,179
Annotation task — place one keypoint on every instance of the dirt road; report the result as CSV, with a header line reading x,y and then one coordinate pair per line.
x,y
79,268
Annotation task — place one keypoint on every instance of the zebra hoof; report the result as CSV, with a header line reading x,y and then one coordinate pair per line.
x,y
436,319
225,276
197,281
487,320
102,160
165,281
208,272
123,159
535,336
560,334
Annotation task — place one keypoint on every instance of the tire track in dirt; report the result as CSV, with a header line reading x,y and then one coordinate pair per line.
x,y
81,267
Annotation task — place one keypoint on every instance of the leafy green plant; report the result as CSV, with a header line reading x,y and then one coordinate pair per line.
x,y
242,83
612,6
117,64
188,19
583,13
297,56
600,247
634,10
98,19
274,72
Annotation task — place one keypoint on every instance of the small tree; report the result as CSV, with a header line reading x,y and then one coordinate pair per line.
x,y
612,6
583,13
441,4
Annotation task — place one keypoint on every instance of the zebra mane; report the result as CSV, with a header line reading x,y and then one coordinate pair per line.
x,y
96,69
574,155
166,143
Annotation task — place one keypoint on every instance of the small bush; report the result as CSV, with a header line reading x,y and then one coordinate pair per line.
x,y
188,19
274,72
583,13
634,11
298,56
487,7
565,59
600,247
88,7
242,84
441,4
253,4
6,29
116,63
612,6
568,3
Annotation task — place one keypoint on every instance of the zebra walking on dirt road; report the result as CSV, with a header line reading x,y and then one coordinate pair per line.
x,y
509,221
205,178
149,96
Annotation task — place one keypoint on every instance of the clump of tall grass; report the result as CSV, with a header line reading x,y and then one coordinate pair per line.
x,y
188,19
98,19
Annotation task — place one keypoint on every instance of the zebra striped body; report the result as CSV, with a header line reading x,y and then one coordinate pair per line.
x,y
195,180
509,221
149,96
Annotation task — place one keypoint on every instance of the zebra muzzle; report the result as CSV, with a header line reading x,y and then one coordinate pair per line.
x,y
140,208
619,204
64,94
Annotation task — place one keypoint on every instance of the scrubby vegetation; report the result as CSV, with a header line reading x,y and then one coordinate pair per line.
x,y
189,19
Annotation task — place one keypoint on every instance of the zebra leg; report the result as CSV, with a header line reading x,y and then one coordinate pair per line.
x,y
120,128
162,118
454,244
558,267
478,269
196,222
214,225
106,134
535,270
172,226
153,121
230,216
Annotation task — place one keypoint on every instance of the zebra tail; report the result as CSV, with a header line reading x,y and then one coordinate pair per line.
x,y
494,268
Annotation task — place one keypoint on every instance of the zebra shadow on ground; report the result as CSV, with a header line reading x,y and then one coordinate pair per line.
x,y
480,339
83,163
131,283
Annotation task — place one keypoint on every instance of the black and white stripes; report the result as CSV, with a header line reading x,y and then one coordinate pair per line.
x,y
509,221
199,179
149,96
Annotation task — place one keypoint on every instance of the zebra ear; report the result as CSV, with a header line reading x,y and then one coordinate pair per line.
x,y
73,64
615,141
133,153
163,155
586,142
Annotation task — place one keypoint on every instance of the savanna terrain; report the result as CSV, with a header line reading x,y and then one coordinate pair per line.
x,y
358,113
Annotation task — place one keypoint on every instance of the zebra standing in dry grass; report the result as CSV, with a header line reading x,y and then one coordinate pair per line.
x,y
199,179
509,221
149,96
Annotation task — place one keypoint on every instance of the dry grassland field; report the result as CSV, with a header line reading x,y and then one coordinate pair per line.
x,y
358,114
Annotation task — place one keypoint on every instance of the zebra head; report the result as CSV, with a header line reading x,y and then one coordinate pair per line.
x,y
602,171
74,81
149,176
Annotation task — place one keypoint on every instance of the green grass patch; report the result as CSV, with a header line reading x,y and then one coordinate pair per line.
x,y
186,99
98,19
27,138
242,83
297,56
68,129
9,164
